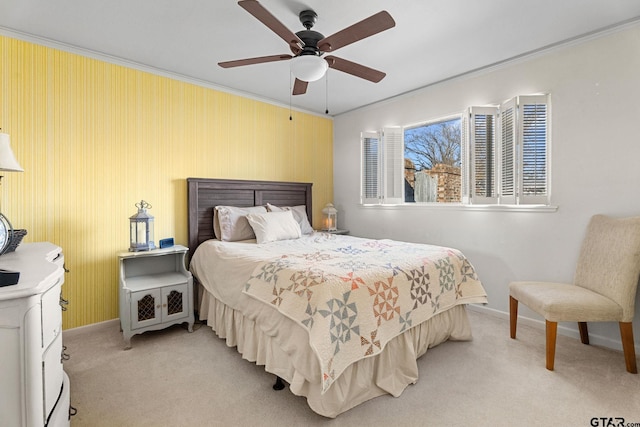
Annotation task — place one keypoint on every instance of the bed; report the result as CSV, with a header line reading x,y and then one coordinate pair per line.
x,y
340,318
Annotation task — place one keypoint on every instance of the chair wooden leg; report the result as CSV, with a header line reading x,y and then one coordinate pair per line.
x,y
584,332
513,316
552,332
626,333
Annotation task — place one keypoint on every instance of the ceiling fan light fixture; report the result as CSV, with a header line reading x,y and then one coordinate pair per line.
x,y
308,68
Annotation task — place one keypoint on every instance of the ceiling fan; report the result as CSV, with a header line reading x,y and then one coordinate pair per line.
x,y
308,46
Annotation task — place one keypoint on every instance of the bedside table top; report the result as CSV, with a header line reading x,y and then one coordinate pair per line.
x,y
338,231
154,252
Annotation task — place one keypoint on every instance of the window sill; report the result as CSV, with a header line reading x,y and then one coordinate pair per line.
x,y
461,207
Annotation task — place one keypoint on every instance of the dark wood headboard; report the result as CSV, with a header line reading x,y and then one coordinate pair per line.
x,y
204,195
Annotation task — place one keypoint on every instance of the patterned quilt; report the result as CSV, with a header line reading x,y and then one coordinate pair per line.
x,y
354,295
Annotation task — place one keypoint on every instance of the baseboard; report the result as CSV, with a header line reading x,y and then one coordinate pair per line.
x,y
594,339
535,323
113,323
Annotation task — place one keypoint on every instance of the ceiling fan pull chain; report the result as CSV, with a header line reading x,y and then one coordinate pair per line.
x,y
290,91
326,97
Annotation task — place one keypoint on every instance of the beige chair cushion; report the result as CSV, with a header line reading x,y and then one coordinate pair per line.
x,y
561,302
609,261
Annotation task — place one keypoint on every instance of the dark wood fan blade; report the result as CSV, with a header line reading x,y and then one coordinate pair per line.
x,y
300,87
264,16
354,69
374,24
258,60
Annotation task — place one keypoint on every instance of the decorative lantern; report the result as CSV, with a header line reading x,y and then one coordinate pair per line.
x,y
141,234
329,218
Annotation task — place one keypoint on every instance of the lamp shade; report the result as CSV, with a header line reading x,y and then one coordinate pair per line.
x,y
8,161
308,68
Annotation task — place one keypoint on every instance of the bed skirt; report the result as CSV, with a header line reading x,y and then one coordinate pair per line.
x,y
281,346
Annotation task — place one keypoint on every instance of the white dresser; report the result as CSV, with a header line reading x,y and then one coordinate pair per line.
x,y
34,388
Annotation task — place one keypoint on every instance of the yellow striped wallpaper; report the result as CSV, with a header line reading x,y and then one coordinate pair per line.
x,y
95,138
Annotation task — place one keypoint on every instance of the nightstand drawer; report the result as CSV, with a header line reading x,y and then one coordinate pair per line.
x,y
52,374
51,314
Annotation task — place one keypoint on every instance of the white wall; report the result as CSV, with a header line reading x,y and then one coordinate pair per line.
x,y
595,100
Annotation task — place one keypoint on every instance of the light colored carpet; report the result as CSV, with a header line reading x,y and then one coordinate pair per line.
x,y
174,378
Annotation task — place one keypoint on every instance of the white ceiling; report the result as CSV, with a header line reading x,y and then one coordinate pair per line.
x,y
432,41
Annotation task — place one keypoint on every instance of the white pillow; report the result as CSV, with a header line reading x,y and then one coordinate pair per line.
x,y
272,226
230,222
299,214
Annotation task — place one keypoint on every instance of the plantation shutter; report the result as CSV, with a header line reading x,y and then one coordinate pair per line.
x,y
370,168
508,153
483,154
465,175
393,169
534,140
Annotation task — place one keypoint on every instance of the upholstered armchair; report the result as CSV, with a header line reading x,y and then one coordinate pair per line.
x,y
603,290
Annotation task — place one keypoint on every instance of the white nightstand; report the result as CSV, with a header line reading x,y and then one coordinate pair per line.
x,y
336,231
156,291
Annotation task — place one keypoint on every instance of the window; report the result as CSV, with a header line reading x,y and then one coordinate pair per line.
x,y
489,155
381,162
534,137
432,162
370,170
508,152
482,141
